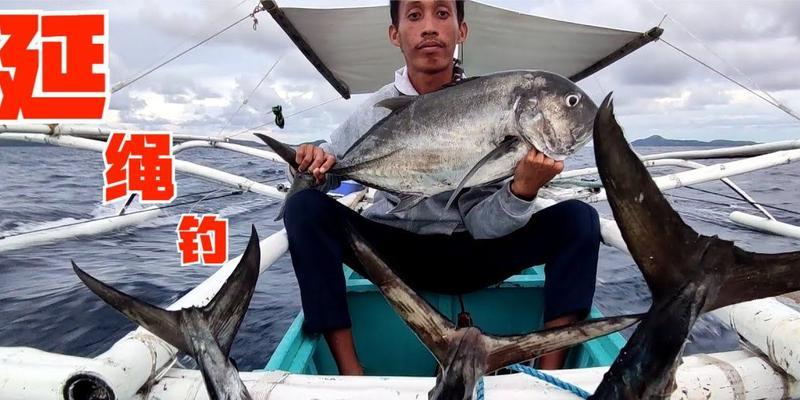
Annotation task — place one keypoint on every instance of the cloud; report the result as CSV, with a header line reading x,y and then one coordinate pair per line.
x,y
656,88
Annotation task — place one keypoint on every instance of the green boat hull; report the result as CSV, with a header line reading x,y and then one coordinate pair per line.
x,y
387,347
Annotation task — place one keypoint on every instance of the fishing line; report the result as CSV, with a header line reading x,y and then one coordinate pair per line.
x,y
252,92
115,216
181,44
767,205
193,202
741,85
715,54
288,116
121,85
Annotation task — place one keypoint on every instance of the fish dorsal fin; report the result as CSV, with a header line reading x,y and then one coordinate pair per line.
x,y
286,152
223,314
459,82
407,201
395,103
504,147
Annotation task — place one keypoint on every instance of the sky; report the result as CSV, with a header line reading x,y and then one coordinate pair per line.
x,y
657,90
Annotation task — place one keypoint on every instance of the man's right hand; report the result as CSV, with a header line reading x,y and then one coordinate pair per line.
x,y
314,160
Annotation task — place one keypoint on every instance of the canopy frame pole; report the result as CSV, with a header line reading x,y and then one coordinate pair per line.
x,y
301,43
647,37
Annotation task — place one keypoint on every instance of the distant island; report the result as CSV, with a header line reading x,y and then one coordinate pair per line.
x,y
659,141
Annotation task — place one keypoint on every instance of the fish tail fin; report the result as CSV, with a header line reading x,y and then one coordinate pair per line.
x,y
430,326
649,225
507,350
687,273
667,250
286,152
223,314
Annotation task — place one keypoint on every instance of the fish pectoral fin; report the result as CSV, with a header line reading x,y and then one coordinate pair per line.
x,y
286,152
395,103
502,148
507,350
407,201
431,327
162,323
227,308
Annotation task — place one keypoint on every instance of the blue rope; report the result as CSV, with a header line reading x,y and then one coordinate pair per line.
x,y
540,375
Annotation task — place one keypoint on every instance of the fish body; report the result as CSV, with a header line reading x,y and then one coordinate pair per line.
x,y
468,134
205,333
688,273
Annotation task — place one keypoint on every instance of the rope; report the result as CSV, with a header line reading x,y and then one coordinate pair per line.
x,y
122,85
715,54
480,390
550,379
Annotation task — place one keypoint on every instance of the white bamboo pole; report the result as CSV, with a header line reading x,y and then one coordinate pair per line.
x,y
77,229
699,175
729,152
187,167
228,146
88,132
677,163
766,225
771,326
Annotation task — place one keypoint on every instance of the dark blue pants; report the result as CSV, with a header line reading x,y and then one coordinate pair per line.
x,y
564,237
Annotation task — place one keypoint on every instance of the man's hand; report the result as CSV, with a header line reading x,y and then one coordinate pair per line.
x,y
315,160
533,172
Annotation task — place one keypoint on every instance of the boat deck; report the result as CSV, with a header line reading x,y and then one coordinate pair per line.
x,y
387,347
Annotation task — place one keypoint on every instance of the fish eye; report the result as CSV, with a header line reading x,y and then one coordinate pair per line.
x,y
572,100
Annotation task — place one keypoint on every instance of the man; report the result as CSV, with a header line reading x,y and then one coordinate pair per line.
x,y
490,235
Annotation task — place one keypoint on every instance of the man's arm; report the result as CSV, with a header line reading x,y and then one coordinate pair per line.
x,y
510,205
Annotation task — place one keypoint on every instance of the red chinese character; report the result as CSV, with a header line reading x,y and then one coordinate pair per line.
x,y
68,58
205,238
141,163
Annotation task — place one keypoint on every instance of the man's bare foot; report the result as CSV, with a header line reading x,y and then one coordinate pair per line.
x,y
556,359
343,349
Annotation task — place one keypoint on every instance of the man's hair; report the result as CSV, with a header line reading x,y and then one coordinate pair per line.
x,y
394,11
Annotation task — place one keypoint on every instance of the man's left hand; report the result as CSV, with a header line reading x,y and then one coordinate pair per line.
x,y
533,172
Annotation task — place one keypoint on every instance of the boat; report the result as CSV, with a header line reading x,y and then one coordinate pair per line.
x,y
386,347
142,366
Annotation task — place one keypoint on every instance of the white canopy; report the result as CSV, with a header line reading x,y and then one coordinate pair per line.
x,y
350,47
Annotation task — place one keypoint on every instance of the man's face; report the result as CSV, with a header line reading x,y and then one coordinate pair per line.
x,y
427,33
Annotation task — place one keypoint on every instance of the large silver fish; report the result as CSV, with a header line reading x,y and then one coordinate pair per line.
x,y
687,273
468,134
205,333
